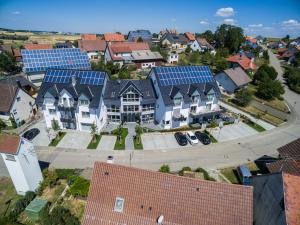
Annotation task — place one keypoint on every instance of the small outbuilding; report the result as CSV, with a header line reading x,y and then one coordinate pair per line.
x,y
35,207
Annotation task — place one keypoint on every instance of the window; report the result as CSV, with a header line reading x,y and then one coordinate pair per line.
x,y
52,111
113,118
148,117
167,122
195,98
10,157
131,96
130,108
119,205
113,108
18,99
85,114
83,102
15,112
148,107
210,96
177,100
193,109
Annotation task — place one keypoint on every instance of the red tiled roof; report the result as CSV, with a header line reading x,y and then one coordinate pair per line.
x,y
114,37
290,150
190,36
38,46
147,195
292,198
124,47
88,37
290,166
7,96
243,61
92,45
9,143
251,39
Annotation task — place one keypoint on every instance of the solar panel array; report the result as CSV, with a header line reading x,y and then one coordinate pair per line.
x,y
65,76
183,75
144,34
60,58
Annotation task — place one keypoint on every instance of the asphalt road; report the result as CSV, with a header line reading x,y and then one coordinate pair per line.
x,y
214,156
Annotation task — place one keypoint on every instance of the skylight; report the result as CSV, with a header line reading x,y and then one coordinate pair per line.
x,y
119,204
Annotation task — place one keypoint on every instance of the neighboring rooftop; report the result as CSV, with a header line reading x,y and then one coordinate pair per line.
x,y
145,55
112,37
135,34
190,36
238,76
126,47
9,144
290,150
88,37
126,195
243,62
38,46
7,95
203,42
176,38
96,45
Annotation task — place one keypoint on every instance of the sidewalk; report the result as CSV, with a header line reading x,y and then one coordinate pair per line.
x,y
129,139
262,123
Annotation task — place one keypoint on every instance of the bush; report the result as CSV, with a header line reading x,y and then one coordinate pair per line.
x,y
80,187
264,73
270,89
50,180
243,97
205,173
181,172
65,173
59,215
164,168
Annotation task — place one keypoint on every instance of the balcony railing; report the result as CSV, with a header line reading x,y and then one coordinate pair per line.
x,y
204,112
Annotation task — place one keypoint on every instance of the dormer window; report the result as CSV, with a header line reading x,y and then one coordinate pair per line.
x,y
131,96
195,98
177,100
210,96
83,102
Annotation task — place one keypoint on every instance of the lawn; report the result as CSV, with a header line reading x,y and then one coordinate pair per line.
x,y
255,126
57,139
93,145
212,139
120,144
76,206
138,145
52,194
7,193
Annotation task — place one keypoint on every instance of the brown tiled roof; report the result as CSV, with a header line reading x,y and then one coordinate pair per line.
x,y
292,198
88,37
92,45
190,36
9,143
251,39
243,61
148,195
114,37
290,166
7,96
238,76
290,150
38,46
7,48
123,47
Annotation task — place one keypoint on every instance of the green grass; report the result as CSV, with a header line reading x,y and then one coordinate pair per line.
x,y
231,174
57,139
255,126
93,145
7,193
212,139
137,146
120,144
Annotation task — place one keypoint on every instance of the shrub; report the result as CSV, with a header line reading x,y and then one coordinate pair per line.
x,y
59,215
164,168
205,173
80,187
65,173
243,97
181,172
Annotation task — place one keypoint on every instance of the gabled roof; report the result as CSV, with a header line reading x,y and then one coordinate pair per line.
x,y
7,95
145,55
38,46
238,76
243,61
135,34
88,37
175,38
92,45
251,39
113,37
190,36
9,144
126,47
148,195
203,42
290,150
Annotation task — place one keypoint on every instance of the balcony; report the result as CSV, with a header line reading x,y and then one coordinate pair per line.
x,y
179,118
68,119
206,112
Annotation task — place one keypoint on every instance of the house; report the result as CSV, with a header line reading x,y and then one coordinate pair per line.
x,y
166,31
177,42
289,159
73,98
251,42
136,34
63,45
186,94
7,48
113,37
21,162
173,57
190,37
295,42
232,79
277,44
126,195
260,39
37,46
276,199
36,62
16,100
129,101
288,54
137,53
94,48
244,62
201,45
88,37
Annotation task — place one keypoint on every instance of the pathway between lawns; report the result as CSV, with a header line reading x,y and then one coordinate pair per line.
x,y
129,139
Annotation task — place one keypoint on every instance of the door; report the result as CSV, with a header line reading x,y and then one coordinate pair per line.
x,y
86,126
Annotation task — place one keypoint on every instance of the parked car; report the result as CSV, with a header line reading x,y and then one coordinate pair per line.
x,y
202,137
30,134
192,138
244,174
181,138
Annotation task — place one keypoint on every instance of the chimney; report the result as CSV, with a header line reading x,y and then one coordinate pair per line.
x,y
110,159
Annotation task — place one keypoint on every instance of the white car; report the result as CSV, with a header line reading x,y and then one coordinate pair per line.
x,y
192,138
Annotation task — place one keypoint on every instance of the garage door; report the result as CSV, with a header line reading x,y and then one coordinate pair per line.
x,y
86,126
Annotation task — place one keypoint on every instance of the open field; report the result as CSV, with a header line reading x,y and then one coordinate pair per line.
x,y
7,192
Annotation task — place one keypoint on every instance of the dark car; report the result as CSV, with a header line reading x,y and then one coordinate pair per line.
x,y
203,137
30,134
181,138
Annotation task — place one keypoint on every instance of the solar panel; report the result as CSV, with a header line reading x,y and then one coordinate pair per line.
x,y
65,76
183,75
60,58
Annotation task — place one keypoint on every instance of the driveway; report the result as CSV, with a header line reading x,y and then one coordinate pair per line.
x,y
75,140
107,143
234,131
159,141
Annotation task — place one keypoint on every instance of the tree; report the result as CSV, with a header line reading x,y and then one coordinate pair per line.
x,y
221,64
2,125
286,39
164,168
155,35
269,89
194,57
292,76
124,74
243,97
140,39
208,35
59,215
188,49
263,73
296,61
94,132
8,63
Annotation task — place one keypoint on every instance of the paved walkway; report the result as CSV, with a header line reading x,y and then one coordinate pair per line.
x,y
269,109
262,123
107,143
131,133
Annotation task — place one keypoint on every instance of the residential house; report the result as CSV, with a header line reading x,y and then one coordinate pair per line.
x,y
295,42
136,34
63,45
36,62
173,57
37,46
114,37
232,79
89,37
94,48
129,101
288,54
201,45
276,199
167,31
21,162
137,53
186,94
277,44
244,62
126,195
73,98
190,37
177,42
16,100
251,42
7,48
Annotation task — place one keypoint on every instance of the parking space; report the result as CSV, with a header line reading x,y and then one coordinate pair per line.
x,y
107,143
75,140
234,131
160,141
